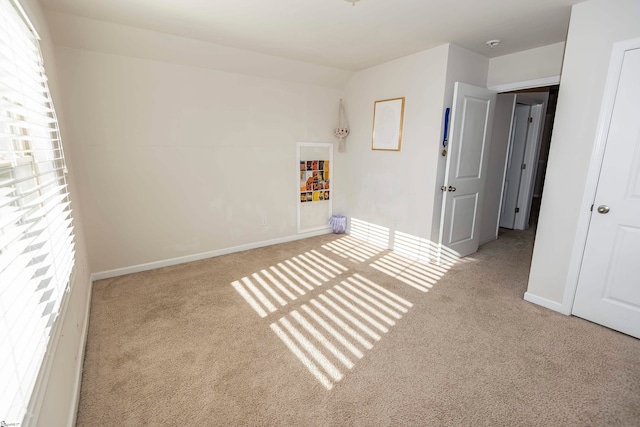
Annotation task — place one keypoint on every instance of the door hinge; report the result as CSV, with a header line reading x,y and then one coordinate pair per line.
x,y
524,166
530,119
517,210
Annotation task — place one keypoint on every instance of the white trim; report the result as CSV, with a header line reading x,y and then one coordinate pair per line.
x,y
546,303
488,240
531,154
203,255
597,155
80,358
319,228
527,84
40,388
25,16
506,160
35,405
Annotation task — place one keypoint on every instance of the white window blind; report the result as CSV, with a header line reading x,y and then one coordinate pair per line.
x,y
36,232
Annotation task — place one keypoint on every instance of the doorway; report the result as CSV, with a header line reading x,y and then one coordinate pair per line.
x,y
527,157
530,188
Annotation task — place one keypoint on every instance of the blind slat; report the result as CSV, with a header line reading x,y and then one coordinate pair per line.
x,y
10,272
5,136
13,182
11,216
32,234
37,248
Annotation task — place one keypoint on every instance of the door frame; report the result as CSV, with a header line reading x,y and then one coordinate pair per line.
x,y
531,154
593,174
514,104
505,173
527,84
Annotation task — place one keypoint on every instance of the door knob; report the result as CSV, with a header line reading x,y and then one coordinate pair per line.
x,y
603,209
452,188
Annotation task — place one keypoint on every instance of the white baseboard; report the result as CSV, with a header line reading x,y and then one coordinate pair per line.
x,y
203,255
546,303
80,360
489,240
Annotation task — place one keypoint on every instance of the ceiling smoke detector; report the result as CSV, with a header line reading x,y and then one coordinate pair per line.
x,y
353,2
492,43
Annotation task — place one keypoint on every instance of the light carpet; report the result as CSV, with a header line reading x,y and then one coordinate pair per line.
x,y
332,331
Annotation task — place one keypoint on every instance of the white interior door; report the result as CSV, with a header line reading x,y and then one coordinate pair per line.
x,y
531,155
515,160
608,289
463,189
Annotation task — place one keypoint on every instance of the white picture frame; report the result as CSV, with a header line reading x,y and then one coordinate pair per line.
x,y
388,118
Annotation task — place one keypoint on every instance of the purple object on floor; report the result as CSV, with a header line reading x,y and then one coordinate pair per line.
x,y
338,223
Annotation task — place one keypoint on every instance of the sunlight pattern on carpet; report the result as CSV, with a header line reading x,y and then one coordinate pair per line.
x,y
331,331
333,315
416,262
283,283
353,249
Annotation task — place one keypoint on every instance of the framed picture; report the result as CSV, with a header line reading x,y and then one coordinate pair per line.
x,y
388,116
313,172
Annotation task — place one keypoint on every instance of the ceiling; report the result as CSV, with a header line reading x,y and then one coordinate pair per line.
x,y
335,33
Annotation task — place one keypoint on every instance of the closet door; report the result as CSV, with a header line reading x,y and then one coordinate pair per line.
x,y
608,289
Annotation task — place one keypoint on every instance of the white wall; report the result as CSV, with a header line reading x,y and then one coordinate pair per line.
x,y
595,26
466,67
61,374
539,64
388,188
401,190
500,137
89,34
177,159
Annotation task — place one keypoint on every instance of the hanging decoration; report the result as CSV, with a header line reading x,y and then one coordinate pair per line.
x,y
445,139
342,128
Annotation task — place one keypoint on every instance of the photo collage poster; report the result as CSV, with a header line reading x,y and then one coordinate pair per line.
x,y
314,180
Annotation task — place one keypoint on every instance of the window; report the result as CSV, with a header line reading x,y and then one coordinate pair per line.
x,y
36,232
